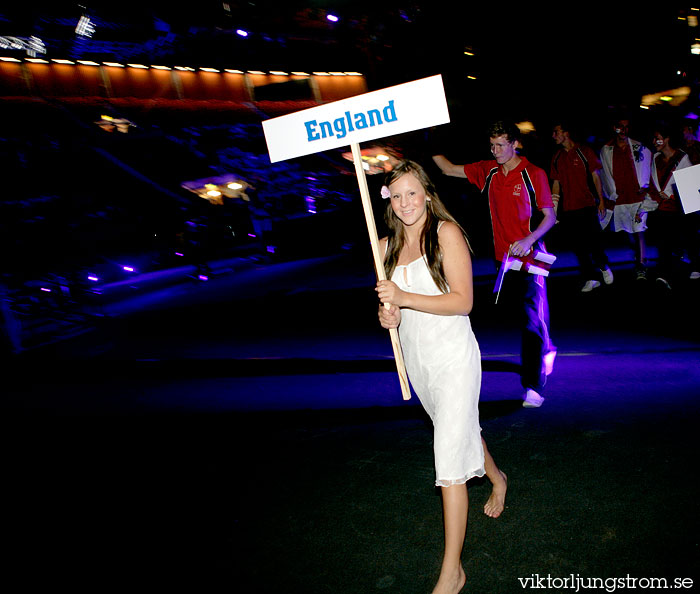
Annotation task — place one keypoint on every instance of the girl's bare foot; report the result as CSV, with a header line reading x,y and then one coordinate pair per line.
x,y
451,582
495,504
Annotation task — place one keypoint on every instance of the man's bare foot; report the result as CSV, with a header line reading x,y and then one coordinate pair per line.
x,y
495,504
451,582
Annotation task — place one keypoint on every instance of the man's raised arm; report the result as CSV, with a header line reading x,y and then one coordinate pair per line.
x,y
449,168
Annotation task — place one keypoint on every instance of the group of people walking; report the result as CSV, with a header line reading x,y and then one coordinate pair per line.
x,y
428,294
631,189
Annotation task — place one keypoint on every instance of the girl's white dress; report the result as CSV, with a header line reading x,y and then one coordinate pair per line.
x,y
443,362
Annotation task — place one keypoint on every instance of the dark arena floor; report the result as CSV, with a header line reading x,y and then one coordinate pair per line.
x,y
248,434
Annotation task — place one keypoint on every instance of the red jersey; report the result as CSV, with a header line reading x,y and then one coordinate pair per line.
x,y
573,169
513,199
664,170
625,175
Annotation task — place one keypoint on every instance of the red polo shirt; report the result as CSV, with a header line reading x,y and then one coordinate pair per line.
x,y
664,170
570,171
513,198
625,175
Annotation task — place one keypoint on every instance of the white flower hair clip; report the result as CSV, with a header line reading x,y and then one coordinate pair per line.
x,y
385,192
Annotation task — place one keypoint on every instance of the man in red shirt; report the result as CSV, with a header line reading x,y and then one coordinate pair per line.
x,y
625,180
521,213
578,199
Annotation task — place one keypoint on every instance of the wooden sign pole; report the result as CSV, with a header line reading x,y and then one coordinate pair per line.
x,y
379,263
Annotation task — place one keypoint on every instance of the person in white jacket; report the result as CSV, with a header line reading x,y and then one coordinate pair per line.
x,y
625,176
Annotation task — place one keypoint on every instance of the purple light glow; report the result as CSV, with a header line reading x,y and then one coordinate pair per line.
x,y
179,254
332,18
311,205
242,33
128,268
252,235
203,277
93,278
45,290
271,249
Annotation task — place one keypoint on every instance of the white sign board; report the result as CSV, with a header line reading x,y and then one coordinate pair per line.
x,y
386,112
688,185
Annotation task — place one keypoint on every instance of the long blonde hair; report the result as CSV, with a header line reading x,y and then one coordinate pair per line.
x,y
435,212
